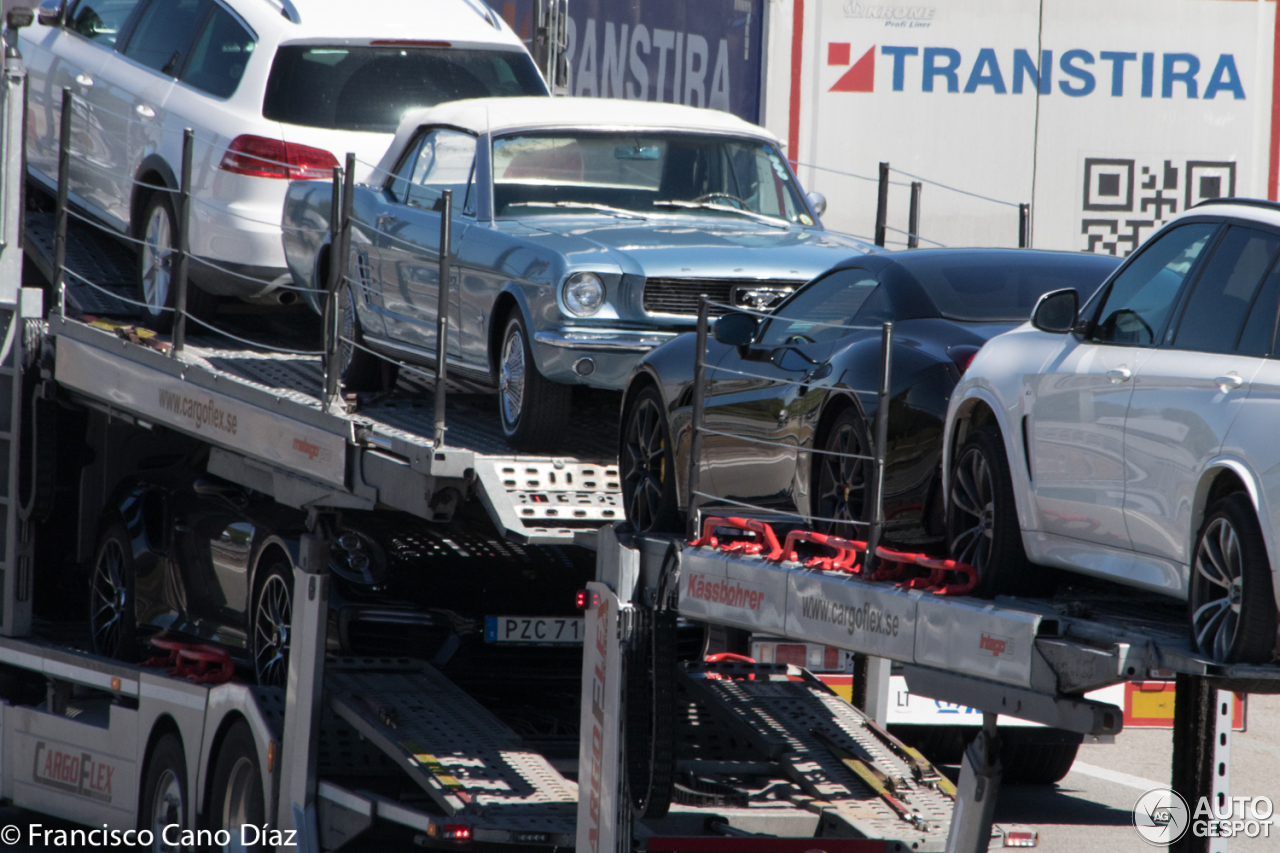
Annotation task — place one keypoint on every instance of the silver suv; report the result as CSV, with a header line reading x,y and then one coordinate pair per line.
x,y
273,90
1136,439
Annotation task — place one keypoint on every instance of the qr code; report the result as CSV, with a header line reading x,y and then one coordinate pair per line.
x,y
1124,202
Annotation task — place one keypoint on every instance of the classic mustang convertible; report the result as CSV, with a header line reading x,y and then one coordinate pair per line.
x,y
583,232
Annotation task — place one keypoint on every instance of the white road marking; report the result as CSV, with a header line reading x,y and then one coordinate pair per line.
x,y
1135,782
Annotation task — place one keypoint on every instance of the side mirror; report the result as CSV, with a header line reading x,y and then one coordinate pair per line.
x,y
735,329
817,201
50,15
1056,311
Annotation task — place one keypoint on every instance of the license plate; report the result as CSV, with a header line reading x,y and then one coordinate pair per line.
x,y
533,629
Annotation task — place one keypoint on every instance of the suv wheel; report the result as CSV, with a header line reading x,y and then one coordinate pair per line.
x,y
1231,605
982,519
158,233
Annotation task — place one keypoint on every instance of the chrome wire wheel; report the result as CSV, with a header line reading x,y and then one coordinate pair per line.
x,y
973,500
511,376
110,599
842,480
1217,589
166,811
238,804
271,626
644,464
157,256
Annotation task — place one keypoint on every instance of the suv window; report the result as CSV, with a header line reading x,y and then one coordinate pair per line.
x,y
219,55
164,33
371,88
441,160
1139,300
101,20
1259,329
821,311
1226,290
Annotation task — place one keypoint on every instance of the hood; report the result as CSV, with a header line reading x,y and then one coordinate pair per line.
x,y
687,246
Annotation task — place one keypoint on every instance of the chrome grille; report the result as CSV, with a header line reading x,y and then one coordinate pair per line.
x,y
680,295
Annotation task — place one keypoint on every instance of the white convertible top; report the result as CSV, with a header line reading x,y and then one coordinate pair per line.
x,y
502,115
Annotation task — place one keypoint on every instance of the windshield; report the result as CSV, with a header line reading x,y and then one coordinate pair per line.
x,y
371,88
644,174
996,286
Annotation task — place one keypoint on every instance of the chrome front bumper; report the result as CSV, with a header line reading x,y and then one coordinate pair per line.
x,y
603,340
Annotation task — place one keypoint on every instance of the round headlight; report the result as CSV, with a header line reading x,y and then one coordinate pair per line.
x,y
583,294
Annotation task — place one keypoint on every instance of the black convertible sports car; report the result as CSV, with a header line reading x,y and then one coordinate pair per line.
x,y
798,379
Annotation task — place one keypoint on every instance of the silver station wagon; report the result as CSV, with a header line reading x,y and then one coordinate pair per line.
x,y
583,232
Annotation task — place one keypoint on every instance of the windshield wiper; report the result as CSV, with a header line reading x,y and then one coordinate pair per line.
x,y
724,208
581,205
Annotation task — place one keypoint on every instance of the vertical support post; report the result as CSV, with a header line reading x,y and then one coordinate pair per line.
x,y
882,204
184,245
1024,226
339,255
881,442
304,689
442,313
699,412
60,217
1221,775
913,216
332,319
1192,770
976,792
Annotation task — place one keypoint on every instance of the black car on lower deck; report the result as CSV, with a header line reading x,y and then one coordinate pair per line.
x,y
204,560
803,378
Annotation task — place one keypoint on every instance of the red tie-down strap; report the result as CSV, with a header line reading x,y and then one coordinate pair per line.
x,y
845,559
730,657
764,540
201,664
938,571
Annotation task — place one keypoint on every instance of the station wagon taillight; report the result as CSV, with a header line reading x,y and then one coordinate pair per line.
x,y
260,157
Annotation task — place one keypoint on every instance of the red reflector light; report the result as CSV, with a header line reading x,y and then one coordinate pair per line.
x,y
791,653
586,600
831,658
581,599
1021,838
408,43
456,832
260,157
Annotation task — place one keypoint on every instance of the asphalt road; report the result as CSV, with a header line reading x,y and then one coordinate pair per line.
x,y
1091,810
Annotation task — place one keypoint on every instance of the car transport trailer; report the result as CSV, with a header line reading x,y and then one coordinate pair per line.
x,y
679,750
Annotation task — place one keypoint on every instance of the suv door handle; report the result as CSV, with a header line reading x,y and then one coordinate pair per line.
x,y
1119,374
84,80
144,111
1229,382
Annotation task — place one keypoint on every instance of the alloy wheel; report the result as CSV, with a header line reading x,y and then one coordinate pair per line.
x,y
110,598
156,260
166,810
511,377
842,482
272,620
973,495
237,805
644,465
1217,589
346,345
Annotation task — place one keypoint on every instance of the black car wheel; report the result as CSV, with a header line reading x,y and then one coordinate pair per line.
x,y
648,466
842,498
1231,604
236,800
534,410
164,793
982,519
361,369
112,622
272,625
